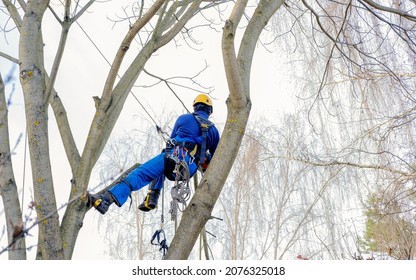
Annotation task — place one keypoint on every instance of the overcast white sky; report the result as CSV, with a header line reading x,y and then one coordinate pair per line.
x,y
82,76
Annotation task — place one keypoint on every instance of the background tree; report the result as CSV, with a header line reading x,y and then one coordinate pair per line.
x,y
301,209
356,91
390,227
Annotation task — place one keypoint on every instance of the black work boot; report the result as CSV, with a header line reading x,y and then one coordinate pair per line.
x,y
101,202
150,202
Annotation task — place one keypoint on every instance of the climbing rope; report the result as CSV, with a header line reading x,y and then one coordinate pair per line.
x,y
181,191
159,237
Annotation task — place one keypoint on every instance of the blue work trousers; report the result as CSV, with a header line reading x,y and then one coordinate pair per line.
x,y
146,173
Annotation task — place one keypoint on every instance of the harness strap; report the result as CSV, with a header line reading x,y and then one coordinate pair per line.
x,y
128,185
204,129
205,125
131,190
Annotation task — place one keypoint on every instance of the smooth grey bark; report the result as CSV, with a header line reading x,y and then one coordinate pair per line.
x,y
8,188
32,78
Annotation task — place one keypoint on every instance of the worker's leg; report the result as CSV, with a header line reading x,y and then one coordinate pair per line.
x,y
135,180
138,178
152,197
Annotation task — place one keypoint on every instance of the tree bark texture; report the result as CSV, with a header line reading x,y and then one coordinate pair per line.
x,y
32,78
8,188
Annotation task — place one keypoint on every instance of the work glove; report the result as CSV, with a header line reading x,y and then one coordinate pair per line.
x,y
205,164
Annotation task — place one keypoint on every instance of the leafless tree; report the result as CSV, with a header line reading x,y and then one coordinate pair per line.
x,y
362,109
156,24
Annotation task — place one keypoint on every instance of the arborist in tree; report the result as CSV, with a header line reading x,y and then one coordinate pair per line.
x,y
193,140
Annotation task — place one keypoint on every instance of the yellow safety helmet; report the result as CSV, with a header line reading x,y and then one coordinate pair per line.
x,y
203,98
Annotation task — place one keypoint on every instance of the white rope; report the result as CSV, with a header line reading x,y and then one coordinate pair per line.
x,y
180,192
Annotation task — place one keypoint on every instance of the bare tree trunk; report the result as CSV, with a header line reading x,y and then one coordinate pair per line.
x,y
32,78
8,189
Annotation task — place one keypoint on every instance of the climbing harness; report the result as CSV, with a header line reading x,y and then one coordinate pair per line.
x,y
181,191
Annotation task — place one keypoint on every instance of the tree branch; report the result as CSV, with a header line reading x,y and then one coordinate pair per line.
x,y
232,69
83,10
125,45
66,24
169,35
389,10
9,57
14,13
